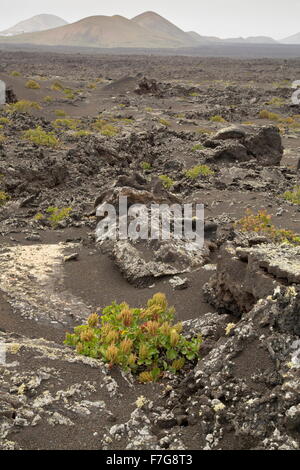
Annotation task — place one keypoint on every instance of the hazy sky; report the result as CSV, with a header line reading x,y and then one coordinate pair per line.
x,y
223,18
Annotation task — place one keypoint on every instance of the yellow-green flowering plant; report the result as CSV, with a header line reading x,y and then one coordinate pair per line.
x,y
142,340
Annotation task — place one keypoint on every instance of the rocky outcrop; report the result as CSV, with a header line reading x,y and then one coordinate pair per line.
x,y
148,86
245,275
242,144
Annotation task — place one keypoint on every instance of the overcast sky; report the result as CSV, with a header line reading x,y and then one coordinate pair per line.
x,y
223,18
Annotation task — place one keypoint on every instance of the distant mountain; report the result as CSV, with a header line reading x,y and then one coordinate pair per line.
x,y
203,39
250,40
148,30
295,39
159,25
100,31
36,23
260,40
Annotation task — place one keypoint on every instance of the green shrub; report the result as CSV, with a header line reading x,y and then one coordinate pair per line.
x,y
146,166
217,119
22,106
40,137
276,101
5,121
65,123
293,196
143,341
126,120
82,133
56,86
48,99
287,120
33,85
39,216
167,181
2,139
265,114
15,73
261,224
103,126
109,130
164,122
57,215
3,198
198,170
197,147
60,113
69,93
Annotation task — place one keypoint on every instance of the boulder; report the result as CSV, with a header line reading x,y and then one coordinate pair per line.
x,y
231,132
265,145
231,151
233,144
147,86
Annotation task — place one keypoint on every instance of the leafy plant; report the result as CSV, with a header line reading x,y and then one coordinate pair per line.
x,y
65,123
103,126
33,85
56,86
40,137
126,120
48,99
293,196
60,113
198,170
143,341
39,216
164,122
260,223
81,133
5,121
70,95
287,120
2,139
146,166
197,147
265,114
276,101
167,181
217,119
57,215
15,73
22,106
3,198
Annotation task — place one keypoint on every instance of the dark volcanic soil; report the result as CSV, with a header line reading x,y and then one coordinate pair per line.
x,y
121,123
